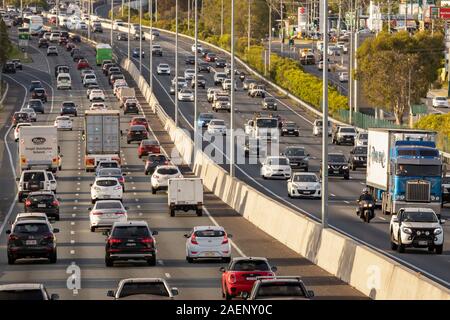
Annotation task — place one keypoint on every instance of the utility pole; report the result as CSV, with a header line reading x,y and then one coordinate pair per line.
x,y
150,9
355,66
112,21
140,37
89,19
281,26
189,15
176,62
156,10
232,167
325,118
221,20
389,16
249,25
270,32
350,60
196,138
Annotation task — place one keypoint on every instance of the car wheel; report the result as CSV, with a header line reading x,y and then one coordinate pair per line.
x,y
189,259
128,142
57,217
346,177
400,246
92,229
199,212
439,249
109,262
53,257
172,212
393,244
152,261
228,296
11,259
153,190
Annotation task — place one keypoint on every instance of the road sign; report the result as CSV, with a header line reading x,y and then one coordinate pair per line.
x,y
434,12
24,36
444,13
23,43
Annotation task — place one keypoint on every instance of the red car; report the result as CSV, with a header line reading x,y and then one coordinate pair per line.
x,y
210,57
52,20
82,64
141,121
242,273
148,146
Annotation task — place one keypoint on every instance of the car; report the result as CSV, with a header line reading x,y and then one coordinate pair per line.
x,y
31,239
417,228
114,77
185,95
54,37
107,164
75,38
269,103
108,172
304,184
9,67
98,106
273,288
308,59
122,36
105,213
20,117
204,67
317,127
119,83
257,92
358,157
17,64
189,74
17,129
182,83
337,165
35,84
106,66
43,201
241,273
96,95
85,72
210,94
131,106
289,128
82,64
36,105
190,60
136,133
343,134
221,63
157,50
208,242
143,289
201,81
62,41
31,113
113,69
139,33
440,102
276,167
35,180
41,216
320,66
147,147
204,118
77,56
39,93
132,240
61,68
217,127
199,47
70,46
25,292
210,57
155,33
221,102
361,139
445,189
105,188
343,76
43,43
97,27
204,52
161,175
135,53
68,108
163,68
118,23
88,79
298,158
52,51
154,160
63,123
141,121
219,77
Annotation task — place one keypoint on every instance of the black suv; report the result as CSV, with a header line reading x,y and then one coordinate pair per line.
x,y
69,108
131,107
132,240
190,60
154,160
337,166
298,159
204,66
221,63
31,239
43,43
43,201
358,158
289,128
9,67
137,133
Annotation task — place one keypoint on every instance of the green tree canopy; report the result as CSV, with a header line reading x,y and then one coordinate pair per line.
x,y
5,43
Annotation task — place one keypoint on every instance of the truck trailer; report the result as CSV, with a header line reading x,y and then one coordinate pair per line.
x,y
38,148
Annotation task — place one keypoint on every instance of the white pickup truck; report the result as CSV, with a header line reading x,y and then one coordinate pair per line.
x,y
185,194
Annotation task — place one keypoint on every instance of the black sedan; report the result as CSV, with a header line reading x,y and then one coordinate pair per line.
x,y
43,201
190,60
289,128
137,133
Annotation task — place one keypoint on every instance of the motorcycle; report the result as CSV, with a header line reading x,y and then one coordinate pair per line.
x,y
366,210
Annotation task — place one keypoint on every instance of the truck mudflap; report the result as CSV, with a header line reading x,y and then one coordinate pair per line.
x,y
198,207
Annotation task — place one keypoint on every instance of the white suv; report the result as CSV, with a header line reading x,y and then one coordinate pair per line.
x,y
162,174
418,228
106,188
35,180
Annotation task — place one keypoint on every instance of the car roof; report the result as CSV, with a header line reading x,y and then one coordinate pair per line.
x,y
108,201
42,192
132,223
134,280
167,166
21,286
249,258
106,178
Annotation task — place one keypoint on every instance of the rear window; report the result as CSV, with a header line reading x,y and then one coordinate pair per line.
x,y
32,228
35,294
27,176
280,290
209,233
108,205
350,130
167,171
250,265
109,165
110,172
31,218
40,197
157,289
131,232
106,183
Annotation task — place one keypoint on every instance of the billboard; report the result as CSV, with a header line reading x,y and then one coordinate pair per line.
x,y
302,18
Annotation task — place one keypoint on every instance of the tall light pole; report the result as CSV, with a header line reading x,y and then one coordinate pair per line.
x,y
281,26
112,21
221,20
189,15
156,10
232,166
89,19
129,28
325,118
140,36
150,9
176,63
196,139
249,25
270,32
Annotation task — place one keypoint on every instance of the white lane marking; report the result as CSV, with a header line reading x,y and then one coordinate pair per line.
x,y
72,223
160,262
346,202
72,251
167,275
333,195
74,215
382,218
72,232
72,241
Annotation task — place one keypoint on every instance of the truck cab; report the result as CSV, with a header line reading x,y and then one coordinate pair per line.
x,y
262,127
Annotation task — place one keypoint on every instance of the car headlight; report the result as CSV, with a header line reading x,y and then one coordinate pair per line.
x,y
437,231
402,197
365,205
437,198
345,167
433,198
406,230
355,158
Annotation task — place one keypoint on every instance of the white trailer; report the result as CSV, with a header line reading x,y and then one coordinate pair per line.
x,y
185,194
38,147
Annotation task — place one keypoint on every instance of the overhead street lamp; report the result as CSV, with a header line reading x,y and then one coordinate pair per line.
x,y
325,118
196,137
232,166
129,28
176,61
150,10
112,22
140,36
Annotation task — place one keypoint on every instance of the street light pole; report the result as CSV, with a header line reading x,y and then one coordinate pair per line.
x,y
129,28
156,10
325,118
189,15
196,138
89,19
221,20
232,166
249,25
140,36
281,26
270,32
112,21
176,62
150,9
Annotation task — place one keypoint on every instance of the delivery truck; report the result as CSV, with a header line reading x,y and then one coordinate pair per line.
x,y
38,148
102,137
404,169
185,194
103,51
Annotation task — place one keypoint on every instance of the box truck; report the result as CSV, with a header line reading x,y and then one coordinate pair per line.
x,y
185,194
38,147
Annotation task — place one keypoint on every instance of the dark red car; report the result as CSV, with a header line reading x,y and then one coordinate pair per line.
x,y
20,117
210,57
153,161
39,93
52,20
140,121
148,146
82,64
241,274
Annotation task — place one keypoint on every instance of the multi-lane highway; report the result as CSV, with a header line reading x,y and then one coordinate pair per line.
x,y
342,193
78,246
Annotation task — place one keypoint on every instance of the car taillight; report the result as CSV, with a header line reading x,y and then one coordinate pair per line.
x,y
114,241
147,240
55,203
119,212
194,239
121,179
232,278
28,203
225,239
49,237
97,213
13,237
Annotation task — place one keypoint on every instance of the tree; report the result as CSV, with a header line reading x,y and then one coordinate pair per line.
x,y
396,69
5,43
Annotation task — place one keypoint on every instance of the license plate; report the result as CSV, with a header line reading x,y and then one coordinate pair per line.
x,y
423,243
209,254
294,163
306,192
42,205
336,171
31,242
131,244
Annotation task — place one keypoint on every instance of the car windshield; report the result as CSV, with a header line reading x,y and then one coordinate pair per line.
x,y
31,228
34,294
250,265
167,171
106,183
108,205
364,136
295,152
209,233
412,170
349,130
164,65
278,162
336,158
413,216
131,232
267,123
305,178
31,218
290,125
280,289
68,104
153,288
269,100
206,116
441,98
360,150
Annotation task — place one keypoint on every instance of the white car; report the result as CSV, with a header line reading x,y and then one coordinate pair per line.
x,y
343,76
98,106
317,127
185,95
208,242
361,139
119,83
17,129
189,74
440,102
276,167
107,212
89,78
63,123
304,184
216,127
161,175
418,228
163,68
105,189
118,23
31,113
199,47
31,216
96,95
181,82
52,50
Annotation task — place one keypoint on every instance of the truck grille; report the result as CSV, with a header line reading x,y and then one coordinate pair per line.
x,y
418,191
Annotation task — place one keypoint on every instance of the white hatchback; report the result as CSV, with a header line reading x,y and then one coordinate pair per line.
x,y
217,127
163,68
208,242
440,102
106,188
276,167
304,184
185,95
63,123
17,129
98,106
31,113
162,174
96,95
89,78
107,212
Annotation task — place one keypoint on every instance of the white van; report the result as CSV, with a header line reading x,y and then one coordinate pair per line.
x,y
55,36
64,81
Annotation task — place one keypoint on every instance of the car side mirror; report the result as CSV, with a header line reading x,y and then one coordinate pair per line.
x,y
91,184
311,293
110,293
186,235
442,221
155,233
174,291
54,296
89,209
17,179
244,295
8,231
222,269
56,230
274,269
